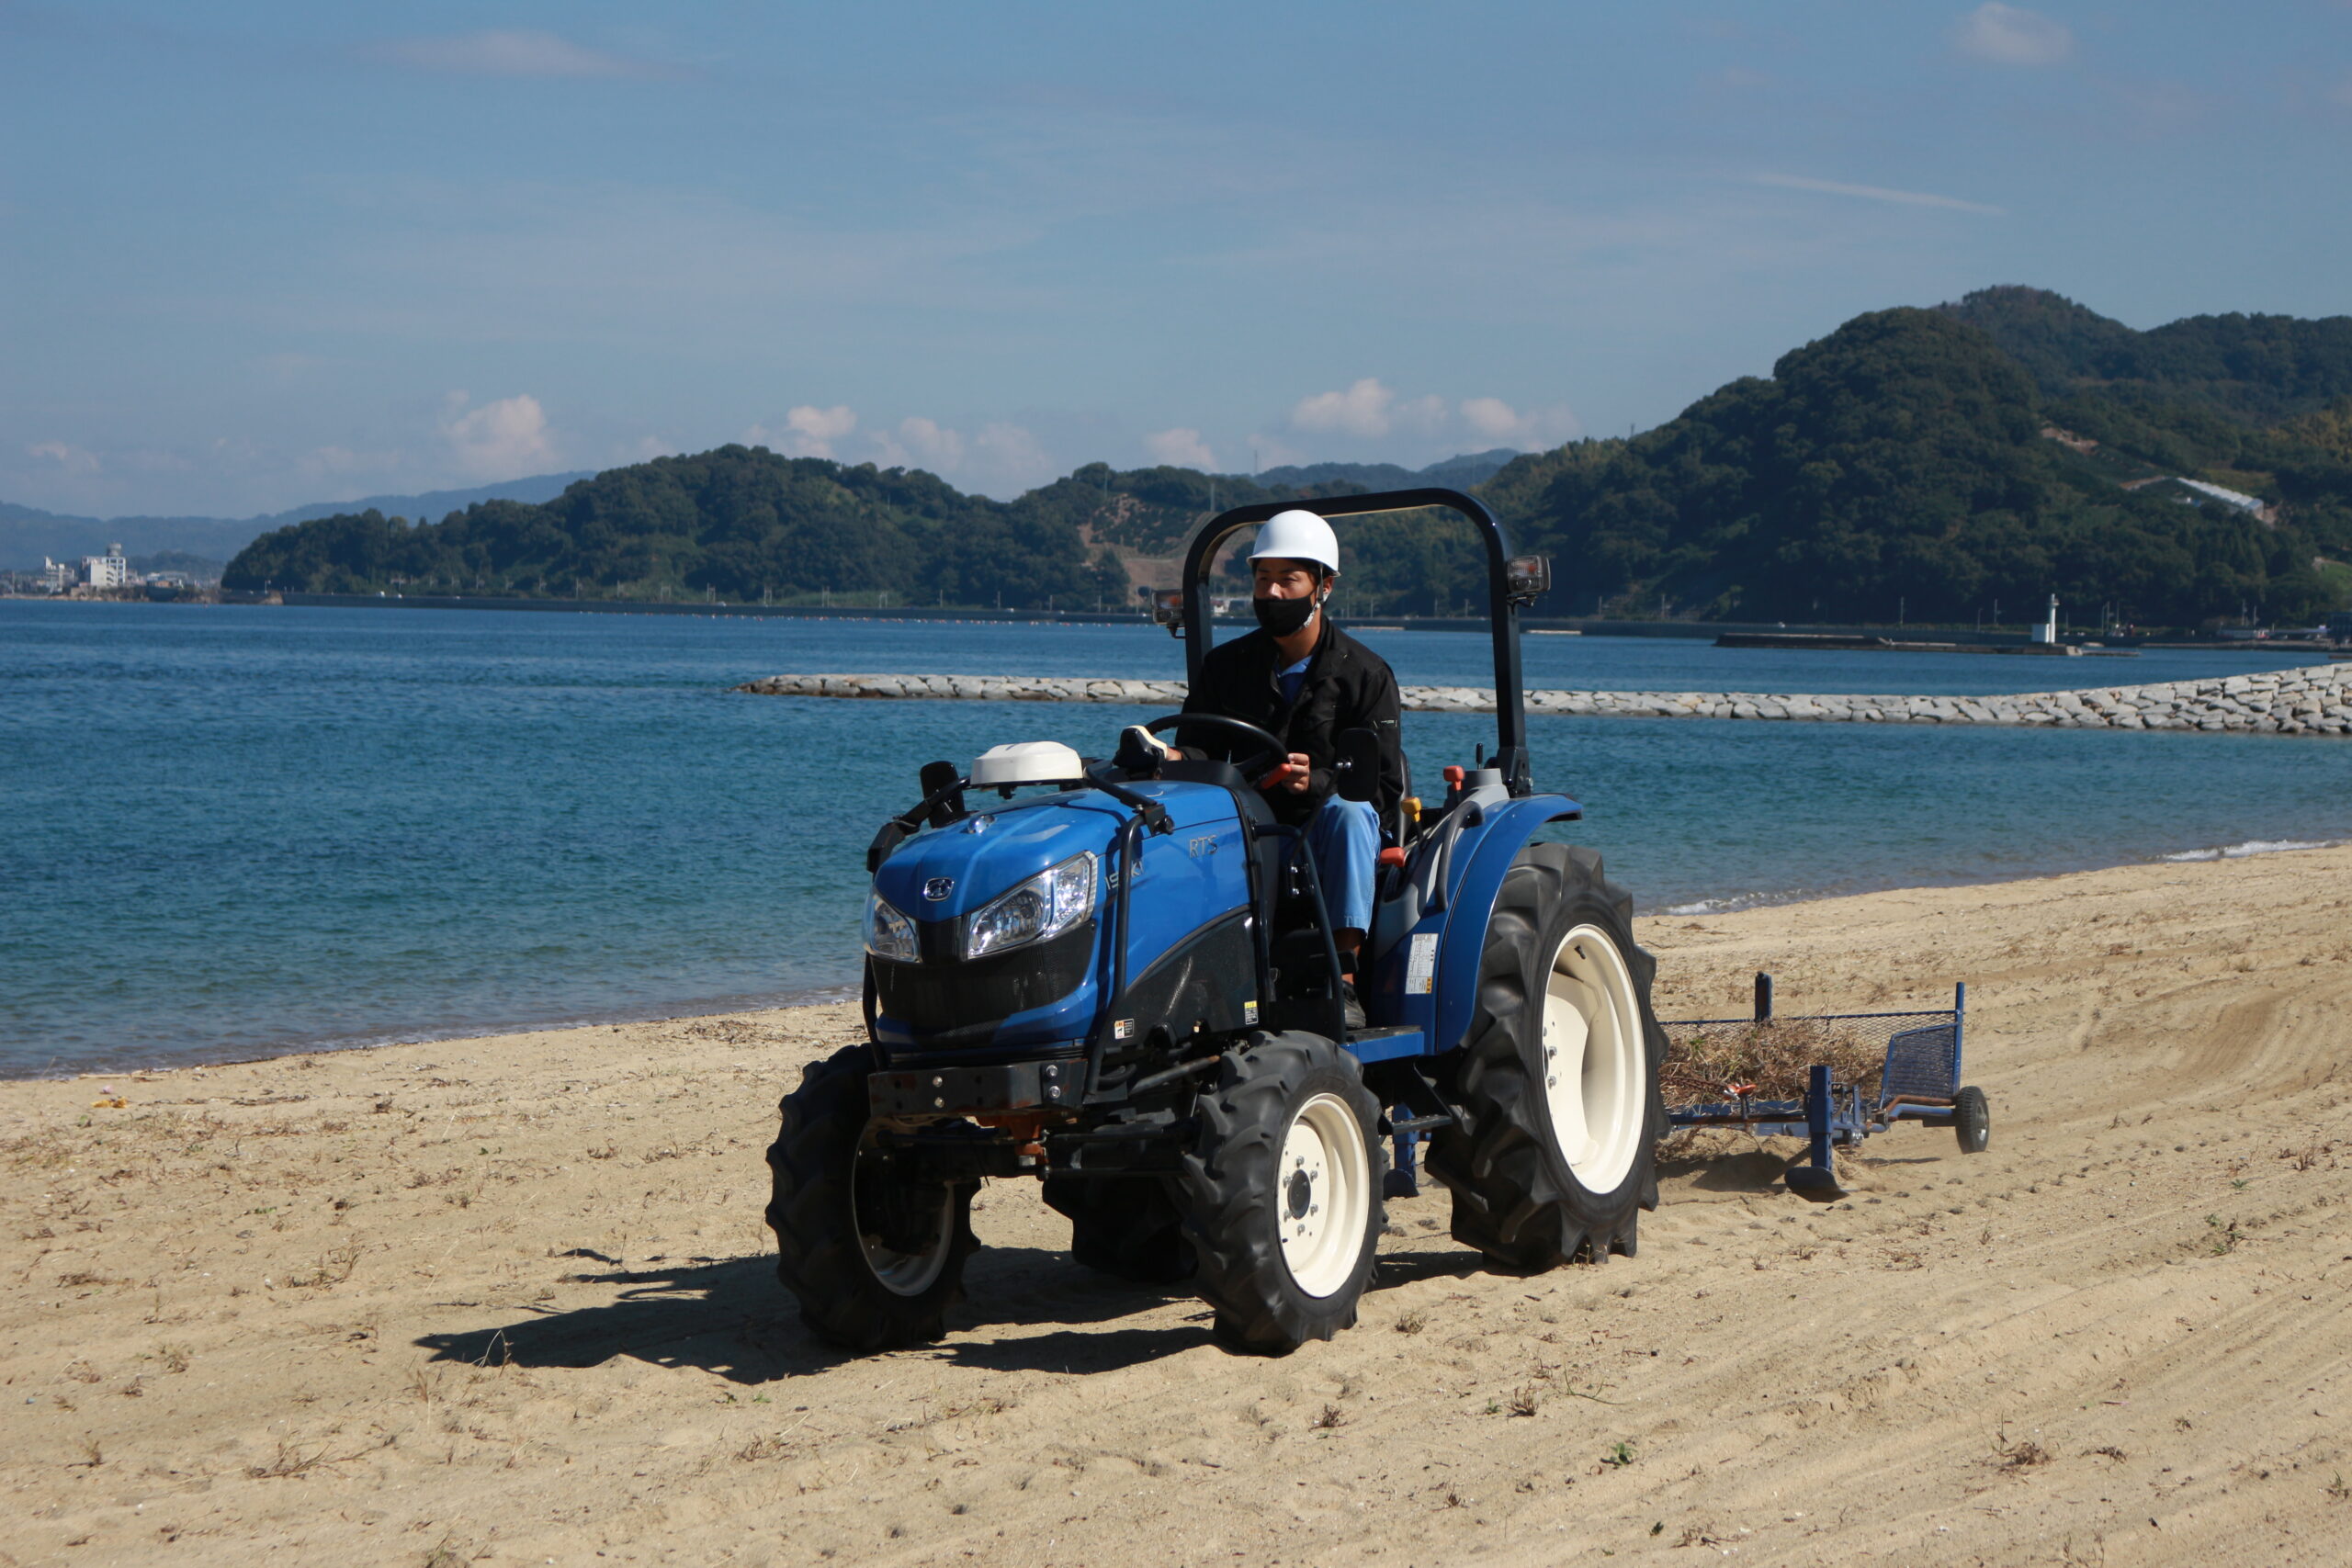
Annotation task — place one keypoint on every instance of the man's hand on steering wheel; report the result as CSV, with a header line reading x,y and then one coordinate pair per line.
x,y
1293,774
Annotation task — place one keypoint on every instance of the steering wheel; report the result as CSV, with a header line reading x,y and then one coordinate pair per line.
x,y
1253,767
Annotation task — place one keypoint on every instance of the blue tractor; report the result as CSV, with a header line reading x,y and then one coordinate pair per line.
x,y
1119,975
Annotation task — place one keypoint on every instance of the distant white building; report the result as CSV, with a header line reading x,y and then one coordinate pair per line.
x,y
57,576
2239,499
2193,492
109,571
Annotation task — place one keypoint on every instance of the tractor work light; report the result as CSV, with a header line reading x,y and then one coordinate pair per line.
x,y
889,934
1046,906
1529,577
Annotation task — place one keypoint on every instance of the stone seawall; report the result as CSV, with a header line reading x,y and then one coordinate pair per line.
x,y
2313,700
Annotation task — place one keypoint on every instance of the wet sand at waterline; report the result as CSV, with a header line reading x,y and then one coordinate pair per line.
x,y
509,1300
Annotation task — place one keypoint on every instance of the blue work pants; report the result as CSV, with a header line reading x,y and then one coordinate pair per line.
x,y
1344,838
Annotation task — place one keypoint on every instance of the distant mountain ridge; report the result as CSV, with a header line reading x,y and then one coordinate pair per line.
x,y
1938,464
2261,369
1943,465
1468,472
27,533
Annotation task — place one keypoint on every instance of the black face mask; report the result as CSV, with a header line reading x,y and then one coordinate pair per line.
x,y
1282,616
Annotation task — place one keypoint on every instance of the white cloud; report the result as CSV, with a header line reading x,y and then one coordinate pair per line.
x,y
921,442
1180,448
1424,415
808,431
825,426
1877,193
1272,452
1365,408
501,440
73,459
1370,409
1538,429
1008,459
2010,35
509,53
1002,460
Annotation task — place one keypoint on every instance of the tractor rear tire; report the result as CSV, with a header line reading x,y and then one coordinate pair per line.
x,y
1130,1227
1972,1120
1559,1076
877,1260
1281,1193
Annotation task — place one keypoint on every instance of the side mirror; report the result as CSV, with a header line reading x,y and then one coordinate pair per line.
x,y
1527,578
935,777
1358,768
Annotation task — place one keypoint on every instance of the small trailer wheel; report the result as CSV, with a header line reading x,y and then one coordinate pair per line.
x,y
1972,1120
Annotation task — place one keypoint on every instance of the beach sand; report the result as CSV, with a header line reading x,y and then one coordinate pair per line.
x,y
509,1300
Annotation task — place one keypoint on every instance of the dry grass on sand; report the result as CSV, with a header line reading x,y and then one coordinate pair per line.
x,y
510,1300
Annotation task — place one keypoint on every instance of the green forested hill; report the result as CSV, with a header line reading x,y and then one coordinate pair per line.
x,y
742,523
1921,462
2263,369
736,523
1900,465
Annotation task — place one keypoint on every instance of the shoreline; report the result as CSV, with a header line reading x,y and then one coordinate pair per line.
x,y
687,1010
511,1297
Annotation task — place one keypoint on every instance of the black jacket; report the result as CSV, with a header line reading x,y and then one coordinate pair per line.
x,y
1348,686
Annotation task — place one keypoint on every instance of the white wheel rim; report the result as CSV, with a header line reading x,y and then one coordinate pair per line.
x,y
1594,1079
1323,1195
904,1273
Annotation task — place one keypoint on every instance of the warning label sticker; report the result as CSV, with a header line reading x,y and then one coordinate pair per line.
x,y
1421,964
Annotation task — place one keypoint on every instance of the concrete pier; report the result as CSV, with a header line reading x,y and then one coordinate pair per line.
x,y
2313,700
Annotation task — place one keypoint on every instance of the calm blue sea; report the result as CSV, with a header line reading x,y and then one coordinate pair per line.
x,y
230,831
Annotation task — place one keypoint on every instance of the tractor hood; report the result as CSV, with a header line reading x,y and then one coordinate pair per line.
x,y
1045,994
947,873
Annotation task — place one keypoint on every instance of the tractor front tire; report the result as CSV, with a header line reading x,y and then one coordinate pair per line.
x,y
1281,1193
1559,1077
875,1259
1130,1227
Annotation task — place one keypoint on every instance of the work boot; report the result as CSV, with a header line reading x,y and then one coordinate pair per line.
x,y
1350,1009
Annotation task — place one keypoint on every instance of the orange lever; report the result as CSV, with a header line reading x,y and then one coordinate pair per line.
x,y
1392,855
1455,773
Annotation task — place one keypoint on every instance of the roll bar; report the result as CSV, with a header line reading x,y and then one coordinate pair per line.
x,y
1510,583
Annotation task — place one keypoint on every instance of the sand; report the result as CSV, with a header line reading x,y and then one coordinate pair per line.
x,y
509,1299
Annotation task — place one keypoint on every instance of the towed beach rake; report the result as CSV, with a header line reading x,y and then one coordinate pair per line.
x,y
1888,1067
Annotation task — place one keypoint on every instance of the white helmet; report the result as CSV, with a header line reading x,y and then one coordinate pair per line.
x,y
1298,535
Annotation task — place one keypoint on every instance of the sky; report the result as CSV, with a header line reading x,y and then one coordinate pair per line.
x,y
254,255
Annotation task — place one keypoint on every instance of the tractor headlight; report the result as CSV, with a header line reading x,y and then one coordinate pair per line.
x,y
1046,906
889,934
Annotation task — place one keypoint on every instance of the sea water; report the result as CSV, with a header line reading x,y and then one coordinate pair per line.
x,y
230,831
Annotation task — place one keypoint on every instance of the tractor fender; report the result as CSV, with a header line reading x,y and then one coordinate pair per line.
x,y
1487,852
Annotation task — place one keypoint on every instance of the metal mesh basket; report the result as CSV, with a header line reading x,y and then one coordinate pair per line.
x,y
1882,1053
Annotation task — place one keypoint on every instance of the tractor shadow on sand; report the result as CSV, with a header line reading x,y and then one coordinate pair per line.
x,y
731,1318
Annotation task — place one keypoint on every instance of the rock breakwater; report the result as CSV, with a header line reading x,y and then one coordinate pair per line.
x,y
2313,700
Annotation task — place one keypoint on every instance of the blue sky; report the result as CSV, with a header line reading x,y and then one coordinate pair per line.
x,y
255,254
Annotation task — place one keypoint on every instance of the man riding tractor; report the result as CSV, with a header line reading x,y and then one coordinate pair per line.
x,y
1301,680
1126,982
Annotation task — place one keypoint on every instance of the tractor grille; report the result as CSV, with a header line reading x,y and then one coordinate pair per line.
x,y
970,1000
